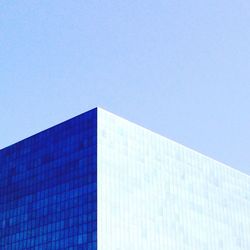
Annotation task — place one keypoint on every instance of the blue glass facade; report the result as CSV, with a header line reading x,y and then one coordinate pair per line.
x,y
48,188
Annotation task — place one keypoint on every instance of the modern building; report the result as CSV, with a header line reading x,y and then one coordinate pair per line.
x,y
98,181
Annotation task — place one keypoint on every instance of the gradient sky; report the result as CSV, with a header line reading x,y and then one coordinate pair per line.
x,y
179,68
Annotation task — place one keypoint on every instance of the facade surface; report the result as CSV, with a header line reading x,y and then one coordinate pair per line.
x,y
48,188
155,194
99,178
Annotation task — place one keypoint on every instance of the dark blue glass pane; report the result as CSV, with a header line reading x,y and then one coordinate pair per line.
x,y
48,188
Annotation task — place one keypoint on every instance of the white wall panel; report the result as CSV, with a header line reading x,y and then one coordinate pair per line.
x,y
155,194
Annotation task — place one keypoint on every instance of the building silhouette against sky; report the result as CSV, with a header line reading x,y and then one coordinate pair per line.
x,y
98,181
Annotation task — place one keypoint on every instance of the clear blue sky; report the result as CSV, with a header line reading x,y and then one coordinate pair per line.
x,y
179,68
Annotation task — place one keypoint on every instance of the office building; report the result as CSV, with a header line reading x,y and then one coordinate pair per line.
x,y
98,181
